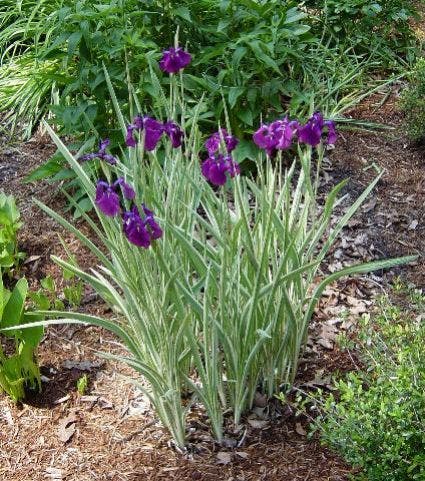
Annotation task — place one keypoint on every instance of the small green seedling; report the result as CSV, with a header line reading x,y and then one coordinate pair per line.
x,y
82,384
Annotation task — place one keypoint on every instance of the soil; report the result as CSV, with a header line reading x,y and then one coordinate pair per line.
x,y
110,433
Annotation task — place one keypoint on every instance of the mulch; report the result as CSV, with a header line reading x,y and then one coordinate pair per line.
x,y
110,433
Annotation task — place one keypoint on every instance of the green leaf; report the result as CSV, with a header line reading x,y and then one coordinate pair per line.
x,y
246,149
73,41
246,116
234,94
183,12
13,310
48,283
46,170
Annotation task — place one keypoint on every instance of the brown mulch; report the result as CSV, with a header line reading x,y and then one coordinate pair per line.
x,y
113,434
394,220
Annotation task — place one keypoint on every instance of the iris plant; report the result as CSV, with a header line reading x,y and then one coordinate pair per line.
x,y
221,307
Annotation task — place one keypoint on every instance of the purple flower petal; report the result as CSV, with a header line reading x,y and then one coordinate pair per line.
x,y
212,144
134,228
214,168
174,59
286,134
153,131
128,190
217,174
103,144
174,132
107,199
89,156
129,140
311,132
101,154
265,138
153,227
332,133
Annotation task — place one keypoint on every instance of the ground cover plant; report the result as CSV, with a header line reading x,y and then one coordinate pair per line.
x,y
10,256
19,369
376,422
201,258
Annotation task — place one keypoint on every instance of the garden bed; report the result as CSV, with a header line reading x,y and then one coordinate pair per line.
x,y
110,432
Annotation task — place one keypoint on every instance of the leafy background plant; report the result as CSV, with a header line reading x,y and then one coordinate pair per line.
x,y
413,103
380,27
259,55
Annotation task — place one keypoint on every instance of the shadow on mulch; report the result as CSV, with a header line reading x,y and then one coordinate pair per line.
x,y
60,384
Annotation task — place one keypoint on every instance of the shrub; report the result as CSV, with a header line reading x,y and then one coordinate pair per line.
x,y
245,51
377,423
413,103
19,368
378,27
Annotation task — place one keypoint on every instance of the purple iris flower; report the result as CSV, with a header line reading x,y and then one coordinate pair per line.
x,y
278,135
154,229
153,131
101,153
215,167
134,228
174,132
332,133
174,59
107,199
311,132
285,131
213,142
265,137
138,231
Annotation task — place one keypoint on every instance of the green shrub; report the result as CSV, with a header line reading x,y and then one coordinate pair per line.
x,y
9,225
378,27
413,103
377,424
247,51
19,368
267,57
